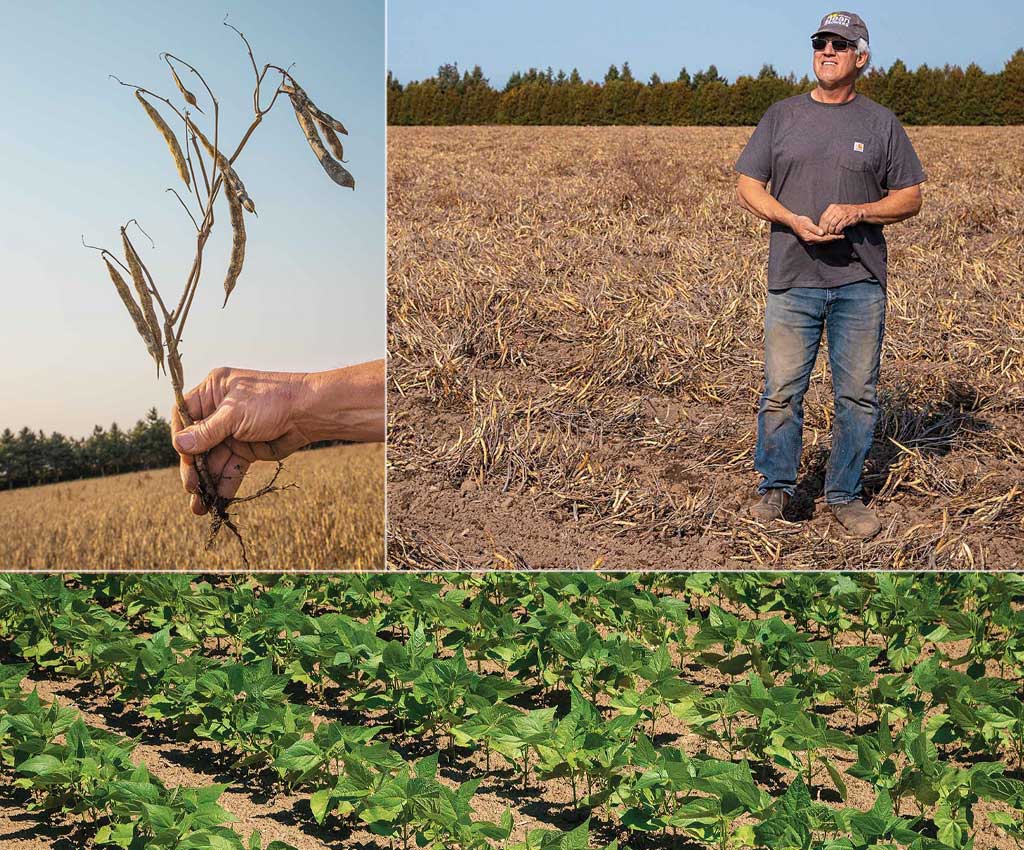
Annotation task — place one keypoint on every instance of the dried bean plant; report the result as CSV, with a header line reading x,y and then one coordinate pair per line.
x,y
161,327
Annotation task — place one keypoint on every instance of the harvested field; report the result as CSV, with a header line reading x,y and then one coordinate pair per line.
x,y
576,357
333,519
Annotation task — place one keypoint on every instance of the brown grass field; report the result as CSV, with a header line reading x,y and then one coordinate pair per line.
x,y
576,357
334,519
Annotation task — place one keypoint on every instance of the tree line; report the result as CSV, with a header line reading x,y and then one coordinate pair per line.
x,y
31,457
947,95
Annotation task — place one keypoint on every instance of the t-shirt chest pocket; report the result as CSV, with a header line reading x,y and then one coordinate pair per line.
x,y
855,155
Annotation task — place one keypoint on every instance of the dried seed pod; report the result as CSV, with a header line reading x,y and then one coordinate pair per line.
x,y
327,119
169,137
230,175
145,300
313,109
237,245
338,173
133,309
185,93
333,142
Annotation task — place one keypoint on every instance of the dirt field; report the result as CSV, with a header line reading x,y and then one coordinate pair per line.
x,y
576,357
334,519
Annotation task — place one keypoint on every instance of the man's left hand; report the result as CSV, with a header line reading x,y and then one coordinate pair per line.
x,y
837,217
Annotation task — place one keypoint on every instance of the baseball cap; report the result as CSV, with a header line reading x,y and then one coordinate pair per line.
x,y
845,24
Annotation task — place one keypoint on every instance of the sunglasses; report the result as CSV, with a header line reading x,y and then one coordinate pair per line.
x,y
839,45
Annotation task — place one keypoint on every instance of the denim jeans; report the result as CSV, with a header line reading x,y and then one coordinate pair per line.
x,y
854,318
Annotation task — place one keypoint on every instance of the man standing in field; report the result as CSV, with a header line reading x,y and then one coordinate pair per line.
x,y
840,167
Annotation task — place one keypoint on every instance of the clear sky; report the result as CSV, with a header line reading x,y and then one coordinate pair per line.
x,y
664,35
80,157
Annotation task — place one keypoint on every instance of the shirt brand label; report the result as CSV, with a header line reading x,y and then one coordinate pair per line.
x,y
859,147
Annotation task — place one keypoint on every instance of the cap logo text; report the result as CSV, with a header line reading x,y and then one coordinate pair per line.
x,y
838,20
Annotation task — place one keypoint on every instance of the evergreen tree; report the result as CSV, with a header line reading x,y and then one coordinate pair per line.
x,y
448,76
476,78
7,451
979,96
899,94
711,75
928,95
1011,105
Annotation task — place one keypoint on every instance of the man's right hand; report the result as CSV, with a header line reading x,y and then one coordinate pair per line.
x,y
240,416
807,230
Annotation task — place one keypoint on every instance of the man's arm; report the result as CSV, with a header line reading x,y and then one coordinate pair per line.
x,y
752,196
898,205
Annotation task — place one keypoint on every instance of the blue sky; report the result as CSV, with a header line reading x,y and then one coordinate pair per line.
x,y
660,35
80,158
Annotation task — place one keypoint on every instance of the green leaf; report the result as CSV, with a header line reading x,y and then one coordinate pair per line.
x,y
576,839
426,768
300,757
837,779
318,803
40,765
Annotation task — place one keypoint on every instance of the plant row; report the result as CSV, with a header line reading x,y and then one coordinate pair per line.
x,y
869,647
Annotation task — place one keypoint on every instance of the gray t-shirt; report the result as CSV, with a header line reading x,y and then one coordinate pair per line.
x,y
816,154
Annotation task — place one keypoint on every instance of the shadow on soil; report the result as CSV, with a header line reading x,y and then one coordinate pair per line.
x,y
37,826
334,833
931,428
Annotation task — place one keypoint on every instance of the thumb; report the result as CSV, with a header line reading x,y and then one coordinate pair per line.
x,y
212,431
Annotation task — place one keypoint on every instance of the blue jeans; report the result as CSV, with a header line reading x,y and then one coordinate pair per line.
x,y
854,317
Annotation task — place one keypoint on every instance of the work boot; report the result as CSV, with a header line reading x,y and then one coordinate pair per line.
x,y
857,518
770,506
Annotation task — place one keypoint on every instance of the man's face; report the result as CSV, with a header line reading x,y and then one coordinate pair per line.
x,y
833,68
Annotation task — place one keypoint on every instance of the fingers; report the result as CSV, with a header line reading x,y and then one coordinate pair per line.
x,y
196,506
189,476
227,468
812,233
207,433
231,476
176,426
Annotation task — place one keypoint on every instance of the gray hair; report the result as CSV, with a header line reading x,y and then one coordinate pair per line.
x,y
862,47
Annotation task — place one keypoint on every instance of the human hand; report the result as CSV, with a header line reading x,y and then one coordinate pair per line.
x,y
241,416
807,231
837,217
